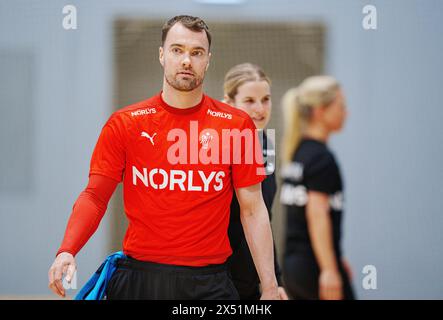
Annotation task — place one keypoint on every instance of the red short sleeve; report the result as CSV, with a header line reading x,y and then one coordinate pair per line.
x,y
109,154
250,170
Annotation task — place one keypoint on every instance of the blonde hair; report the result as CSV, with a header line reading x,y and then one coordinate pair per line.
x,y
240,74
297,103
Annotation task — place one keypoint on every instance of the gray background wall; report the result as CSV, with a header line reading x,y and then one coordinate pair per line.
x,y
390,150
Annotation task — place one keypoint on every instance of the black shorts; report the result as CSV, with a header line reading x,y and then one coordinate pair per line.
x,y
136,279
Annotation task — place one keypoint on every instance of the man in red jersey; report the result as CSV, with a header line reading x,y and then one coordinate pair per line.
x,y
179,158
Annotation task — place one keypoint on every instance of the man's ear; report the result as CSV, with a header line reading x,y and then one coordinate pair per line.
x,y
161,56
207,65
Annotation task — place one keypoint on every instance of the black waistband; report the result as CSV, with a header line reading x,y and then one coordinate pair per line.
x,y
131,263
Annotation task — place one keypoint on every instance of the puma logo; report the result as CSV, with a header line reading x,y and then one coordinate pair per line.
x,y
144,134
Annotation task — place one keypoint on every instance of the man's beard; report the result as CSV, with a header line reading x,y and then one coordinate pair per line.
x,y
184,85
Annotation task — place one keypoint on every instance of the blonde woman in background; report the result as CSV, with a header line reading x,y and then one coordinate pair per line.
x,y
312,192
248,88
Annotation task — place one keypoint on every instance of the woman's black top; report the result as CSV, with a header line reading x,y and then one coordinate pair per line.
x,y
313,167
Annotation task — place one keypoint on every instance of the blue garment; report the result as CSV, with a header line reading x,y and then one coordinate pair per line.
x,y
95,288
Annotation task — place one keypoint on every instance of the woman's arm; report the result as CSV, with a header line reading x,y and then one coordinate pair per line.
x,y
320,232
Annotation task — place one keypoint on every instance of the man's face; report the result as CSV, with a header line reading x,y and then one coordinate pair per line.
x,y
185,57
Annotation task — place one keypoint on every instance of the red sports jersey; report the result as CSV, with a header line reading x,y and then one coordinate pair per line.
x,y
179,168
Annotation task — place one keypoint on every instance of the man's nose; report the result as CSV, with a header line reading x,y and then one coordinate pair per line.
x,y
186,62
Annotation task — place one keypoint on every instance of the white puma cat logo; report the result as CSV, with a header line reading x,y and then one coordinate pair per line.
x,y
144,134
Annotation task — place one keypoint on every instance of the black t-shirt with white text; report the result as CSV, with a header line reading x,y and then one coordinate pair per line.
x,y
313,168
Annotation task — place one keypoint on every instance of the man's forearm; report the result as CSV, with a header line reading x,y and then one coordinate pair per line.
x,y
258,234
87,213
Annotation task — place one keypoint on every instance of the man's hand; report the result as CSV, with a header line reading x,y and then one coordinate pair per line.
x,y
64,263
330,285
270,293
282,293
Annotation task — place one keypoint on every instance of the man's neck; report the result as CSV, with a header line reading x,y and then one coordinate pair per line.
x,y
181,99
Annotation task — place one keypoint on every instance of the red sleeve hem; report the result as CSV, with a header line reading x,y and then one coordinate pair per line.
x,y
106,174
73,252
249,183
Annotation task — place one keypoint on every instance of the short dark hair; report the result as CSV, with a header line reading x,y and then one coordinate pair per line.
x,y
190,22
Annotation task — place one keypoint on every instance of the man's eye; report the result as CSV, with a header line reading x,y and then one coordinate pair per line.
x,y
176,50
266,99
197,53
